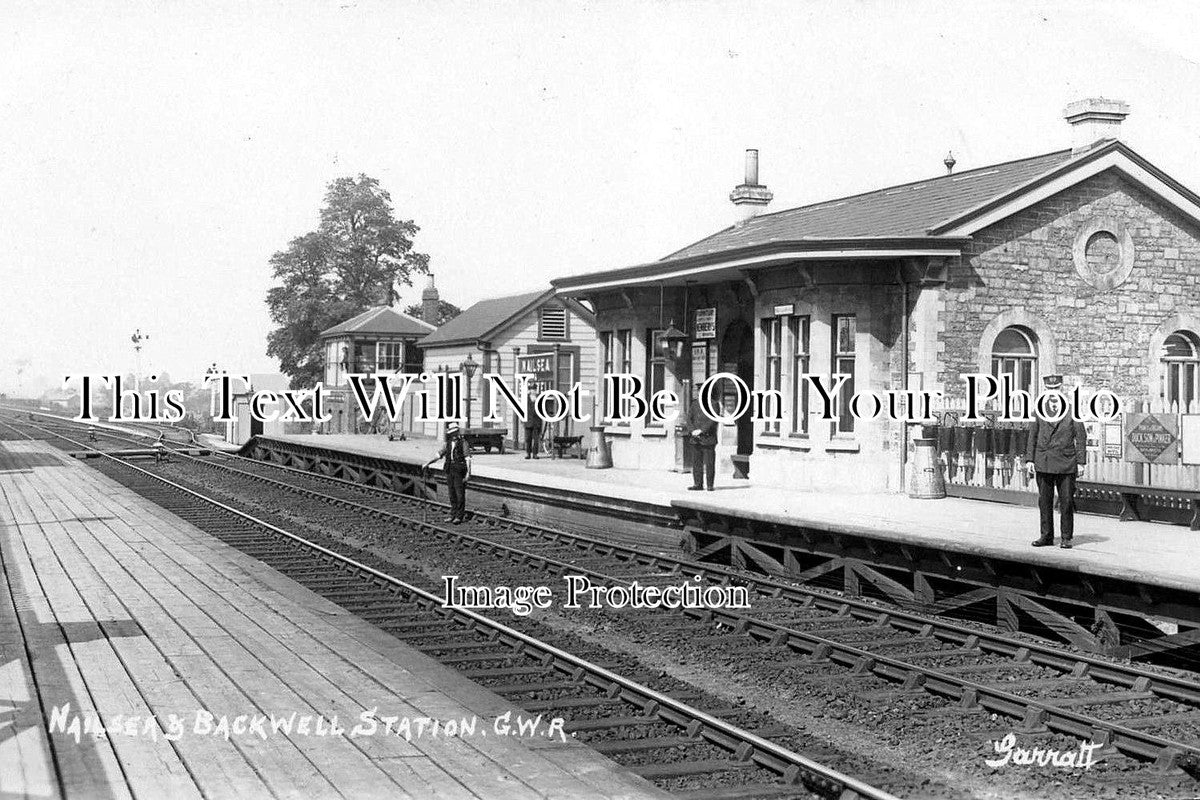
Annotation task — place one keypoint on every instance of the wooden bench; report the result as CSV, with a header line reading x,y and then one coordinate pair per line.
x,y
485,438
565,443
1135,499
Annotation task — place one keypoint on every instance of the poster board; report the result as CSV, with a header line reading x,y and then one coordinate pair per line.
x,y
1113,439
706,323
1151,438
1189,433
699,362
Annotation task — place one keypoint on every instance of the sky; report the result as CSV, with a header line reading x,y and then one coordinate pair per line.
x,y
153,155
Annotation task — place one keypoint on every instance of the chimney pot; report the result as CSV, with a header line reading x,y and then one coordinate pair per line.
x,y
1094,119
751,168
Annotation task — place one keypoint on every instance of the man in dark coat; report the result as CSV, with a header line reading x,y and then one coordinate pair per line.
x,y
457,467
1057,453
703,435
533,426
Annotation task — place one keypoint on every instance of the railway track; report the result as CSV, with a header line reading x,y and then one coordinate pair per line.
x,y
1147,714
656,733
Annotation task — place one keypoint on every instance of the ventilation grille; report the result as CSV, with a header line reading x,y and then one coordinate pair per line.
x,y
553,324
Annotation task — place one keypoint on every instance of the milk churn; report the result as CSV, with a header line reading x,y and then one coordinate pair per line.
x,y
599,455
925,479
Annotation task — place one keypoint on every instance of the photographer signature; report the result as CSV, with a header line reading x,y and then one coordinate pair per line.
x,y
1008,753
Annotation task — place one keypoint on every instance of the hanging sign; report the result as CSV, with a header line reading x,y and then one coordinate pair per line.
x,y
706,323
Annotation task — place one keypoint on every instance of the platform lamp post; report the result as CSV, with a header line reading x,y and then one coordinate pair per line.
x,y
516,420
672,343
468,368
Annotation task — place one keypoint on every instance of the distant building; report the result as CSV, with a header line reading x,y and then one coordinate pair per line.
x,y
1084,261
57,399
551,338
242,427
380,339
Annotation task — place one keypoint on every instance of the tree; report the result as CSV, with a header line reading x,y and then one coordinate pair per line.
x,y
445,313
353,260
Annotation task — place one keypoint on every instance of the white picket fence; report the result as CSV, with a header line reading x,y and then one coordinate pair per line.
x,y
1007,471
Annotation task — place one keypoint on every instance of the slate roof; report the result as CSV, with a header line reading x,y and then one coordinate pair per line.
x,y
910,209
481,320
921,216
380,319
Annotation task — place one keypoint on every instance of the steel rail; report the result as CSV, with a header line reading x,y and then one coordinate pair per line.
x,y
1167,686
1144,746
790,765
1126,740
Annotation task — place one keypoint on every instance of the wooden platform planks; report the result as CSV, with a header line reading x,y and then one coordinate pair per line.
x,y
26,762
144,615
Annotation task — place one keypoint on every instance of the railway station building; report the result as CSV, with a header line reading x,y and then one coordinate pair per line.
x,y
535,333
1084,261
381,339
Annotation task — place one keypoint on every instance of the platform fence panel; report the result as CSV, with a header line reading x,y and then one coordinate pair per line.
x,y
984,457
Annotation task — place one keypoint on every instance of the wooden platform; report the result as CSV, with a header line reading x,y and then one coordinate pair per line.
x,y
114,610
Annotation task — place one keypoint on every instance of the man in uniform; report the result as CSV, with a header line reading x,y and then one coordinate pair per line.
x,y
1057,453
457,466
704,448
533,425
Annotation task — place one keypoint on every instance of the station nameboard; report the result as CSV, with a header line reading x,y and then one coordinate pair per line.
x,y
1151,438
706,323
540,365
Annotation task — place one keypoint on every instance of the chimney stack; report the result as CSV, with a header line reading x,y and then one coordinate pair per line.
x,y
384,296
750,197
1094,119
429,302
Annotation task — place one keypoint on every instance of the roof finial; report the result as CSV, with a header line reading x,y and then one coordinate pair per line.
x,y
949,161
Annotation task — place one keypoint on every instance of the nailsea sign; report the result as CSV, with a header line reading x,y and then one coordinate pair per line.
x,y
539,365
1151,438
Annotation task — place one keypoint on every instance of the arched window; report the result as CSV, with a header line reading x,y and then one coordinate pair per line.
x,y
1181,369
1015,353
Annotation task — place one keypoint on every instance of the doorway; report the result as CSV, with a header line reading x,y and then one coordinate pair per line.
x,y
737,357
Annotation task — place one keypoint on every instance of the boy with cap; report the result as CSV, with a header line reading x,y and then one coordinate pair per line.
x,y
1057,453
457,466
